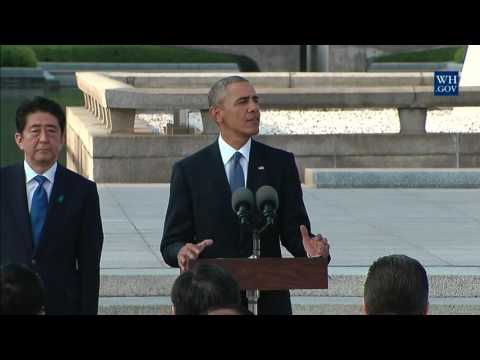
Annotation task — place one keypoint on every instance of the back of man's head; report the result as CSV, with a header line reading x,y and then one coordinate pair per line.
x,y
236,309
21,291
204,286
396,284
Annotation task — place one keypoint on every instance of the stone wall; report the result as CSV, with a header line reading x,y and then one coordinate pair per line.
x,y
340,58
148,158
348,58
267,57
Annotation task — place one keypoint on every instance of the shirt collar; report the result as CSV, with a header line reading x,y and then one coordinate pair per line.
x,y
226,151
30,173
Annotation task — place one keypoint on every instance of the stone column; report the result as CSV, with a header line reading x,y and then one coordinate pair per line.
x,y
412,121
121,120
180,118
209,125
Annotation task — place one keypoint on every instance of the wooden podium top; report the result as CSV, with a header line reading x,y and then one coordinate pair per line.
x,y
275,273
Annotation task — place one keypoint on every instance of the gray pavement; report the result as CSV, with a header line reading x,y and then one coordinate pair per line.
x,y
439,227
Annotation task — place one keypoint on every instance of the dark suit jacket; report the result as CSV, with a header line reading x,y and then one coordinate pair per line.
x,y
200,208
68,255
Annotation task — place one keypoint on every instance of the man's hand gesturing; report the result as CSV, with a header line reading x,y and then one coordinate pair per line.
x,y
191,252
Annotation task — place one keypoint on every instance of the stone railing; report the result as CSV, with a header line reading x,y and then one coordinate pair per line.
x,y
114,98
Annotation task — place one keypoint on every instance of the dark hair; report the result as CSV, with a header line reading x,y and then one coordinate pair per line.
x,y
396,284
21,291
204,286
39,104
231,309
217,92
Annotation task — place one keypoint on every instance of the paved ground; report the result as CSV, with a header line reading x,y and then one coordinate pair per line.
x,y
439,227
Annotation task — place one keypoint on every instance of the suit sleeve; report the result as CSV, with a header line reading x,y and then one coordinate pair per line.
x,y
292,210
90,249
178,228
293,213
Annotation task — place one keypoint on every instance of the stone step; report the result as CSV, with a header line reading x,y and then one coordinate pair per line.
x,y
302,305
343,282
414,67
392,178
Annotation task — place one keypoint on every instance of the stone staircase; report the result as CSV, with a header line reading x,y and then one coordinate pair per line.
x,y
453,290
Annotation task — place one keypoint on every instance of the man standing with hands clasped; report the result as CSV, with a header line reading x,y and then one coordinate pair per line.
x,y
50,216
200,221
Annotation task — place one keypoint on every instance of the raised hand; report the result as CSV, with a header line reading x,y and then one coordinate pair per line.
x,y
191,252
314,246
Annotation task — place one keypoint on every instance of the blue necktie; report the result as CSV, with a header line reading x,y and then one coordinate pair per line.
x,y
39,209
237,178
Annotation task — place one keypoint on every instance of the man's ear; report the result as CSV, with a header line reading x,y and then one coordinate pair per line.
x,y
364,308
216,114
19,140
173,310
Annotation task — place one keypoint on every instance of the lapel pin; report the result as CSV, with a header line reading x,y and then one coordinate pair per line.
x,y
60,199
261,168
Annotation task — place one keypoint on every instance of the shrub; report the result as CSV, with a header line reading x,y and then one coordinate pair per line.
x,y
456,54
17,56
459,56
126,54
132,54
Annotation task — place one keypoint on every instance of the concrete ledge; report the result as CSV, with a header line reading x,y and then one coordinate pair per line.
x,y
65,72
21,72
99,87
354,79
410,67
19,78
114,98
85,66
274,80
131,283
301,306
275,90
392,178
130,157
195,80
353,306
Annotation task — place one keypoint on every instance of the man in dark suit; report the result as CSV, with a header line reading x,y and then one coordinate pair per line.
x,y
50,216
200,221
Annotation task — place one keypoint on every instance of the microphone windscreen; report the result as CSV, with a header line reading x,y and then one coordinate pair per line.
x,y
267,195
242,196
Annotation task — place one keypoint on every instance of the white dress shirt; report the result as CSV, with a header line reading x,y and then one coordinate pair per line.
x,y
227,152
32,184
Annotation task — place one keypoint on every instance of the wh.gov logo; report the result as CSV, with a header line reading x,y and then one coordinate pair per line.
x,y
446,83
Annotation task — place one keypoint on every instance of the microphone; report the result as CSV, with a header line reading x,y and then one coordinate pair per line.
x,y
242,204
267,203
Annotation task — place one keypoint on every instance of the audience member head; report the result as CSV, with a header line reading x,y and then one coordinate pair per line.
x,y
396,284
21,291
236,309
202,287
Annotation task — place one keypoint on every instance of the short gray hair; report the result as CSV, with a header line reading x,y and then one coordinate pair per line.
x,y
217,92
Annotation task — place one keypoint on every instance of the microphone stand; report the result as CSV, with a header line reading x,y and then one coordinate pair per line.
x,y
254,294
245,196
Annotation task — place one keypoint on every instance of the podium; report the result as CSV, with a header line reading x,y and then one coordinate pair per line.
x,y
274,273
